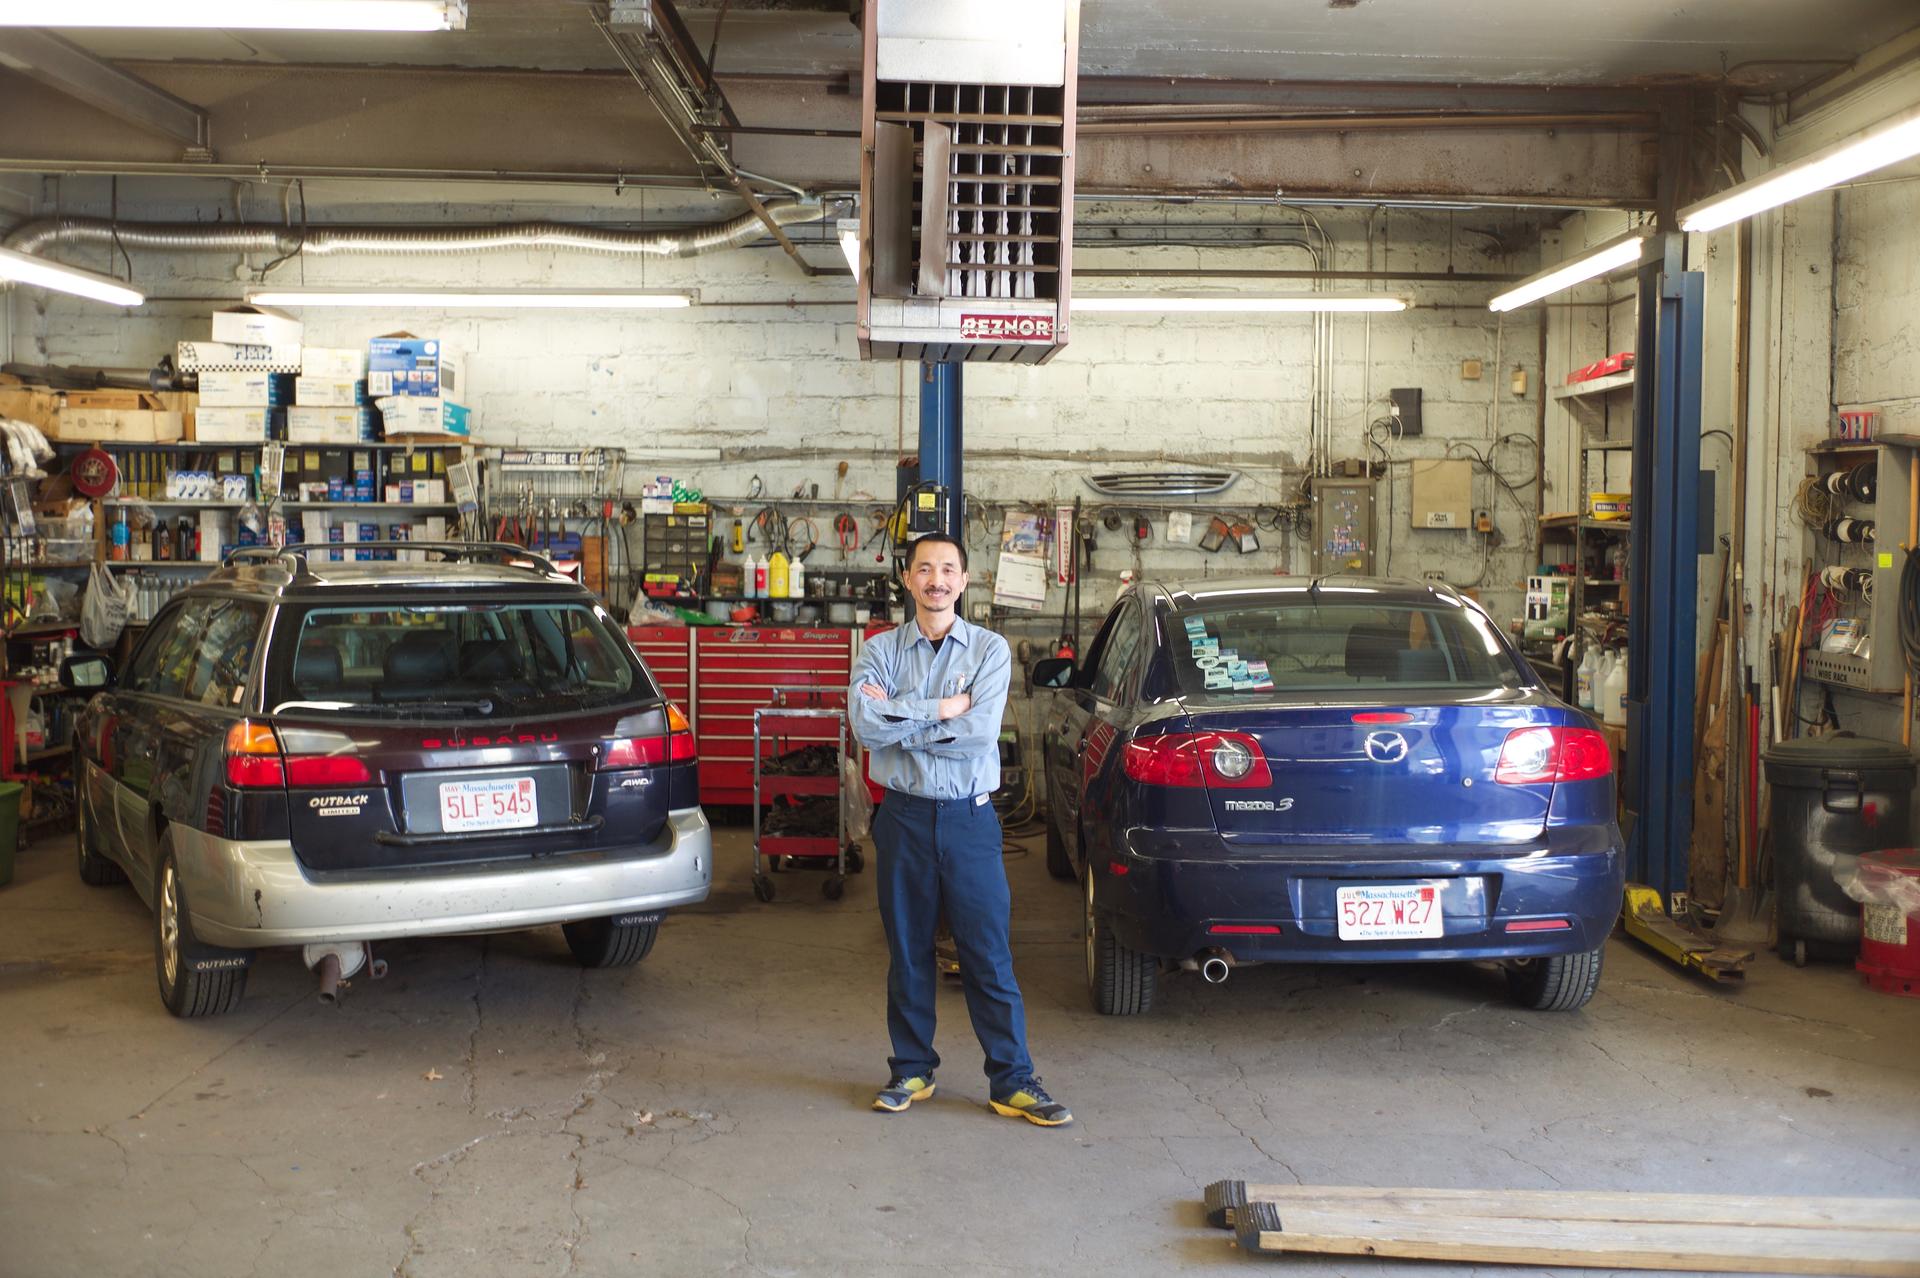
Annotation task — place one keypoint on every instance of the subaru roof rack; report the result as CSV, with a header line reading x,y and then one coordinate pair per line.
x,y
295,556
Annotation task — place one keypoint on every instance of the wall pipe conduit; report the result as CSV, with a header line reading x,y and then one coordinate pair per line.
x,y
198,237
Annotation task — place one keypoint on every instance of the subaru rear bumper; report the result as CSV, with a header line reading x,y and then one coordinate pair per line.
x,y
248,894
1559,898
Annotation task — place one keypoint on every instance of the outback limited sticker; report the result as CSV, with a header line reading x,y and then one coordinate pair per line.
x,y
337,804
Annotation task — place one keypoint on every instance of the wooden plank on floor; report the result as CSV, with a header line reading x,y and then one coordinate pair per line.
x,y
1353,1230
1886,1214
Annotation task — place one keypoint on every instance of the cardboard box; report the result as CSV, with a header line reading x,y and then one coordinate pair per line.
x,y
35,405
404,365
256,326
334,363
402,415
224,425
307,425
122,417
321,392
1442,493
246,389
226,357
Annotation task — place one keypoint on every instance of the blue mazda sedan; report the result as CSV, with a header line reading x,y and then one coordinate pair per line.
x,y
1332,769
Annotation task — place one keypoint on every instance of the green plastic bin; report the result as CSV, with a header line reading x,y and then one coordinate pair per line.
x,y
9,828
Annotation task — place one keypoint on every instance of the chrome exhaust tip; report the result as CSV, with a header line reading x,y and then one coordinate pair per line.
x,y
1214,971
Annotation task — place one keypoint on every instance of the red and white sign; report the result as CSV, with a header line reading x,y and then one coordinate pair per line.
x,y
1006,328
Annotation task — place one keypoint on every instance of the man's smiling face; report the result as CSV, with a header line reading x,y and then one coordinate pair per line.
x,y
935,577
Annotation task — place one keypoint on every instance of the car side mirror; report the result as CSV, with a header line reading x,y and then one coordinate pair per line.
x,y
86,672
1053,672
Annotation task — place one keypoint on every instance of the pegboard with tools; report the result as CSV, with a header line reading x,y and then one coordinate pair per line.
x,y
567,504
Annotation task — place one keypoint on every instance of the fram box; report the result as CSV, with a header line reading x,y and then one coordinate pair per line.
x,y
401,364
329,425
321,392
256,326
247,389
333,363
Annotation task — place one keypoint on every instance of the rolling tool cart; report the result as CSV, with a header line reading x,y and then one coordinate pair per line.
x,y
773,849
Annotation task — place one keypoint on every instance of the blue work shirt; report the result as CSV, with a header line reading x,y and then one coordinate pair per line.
x,y
909,747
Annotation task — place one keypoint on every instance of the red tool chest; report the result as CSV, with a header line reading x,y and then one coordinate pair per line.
x,y
721,675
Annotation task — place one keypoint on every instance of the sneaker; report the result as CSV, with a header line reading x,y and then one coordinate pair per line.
x,y
902,1092
1033,1104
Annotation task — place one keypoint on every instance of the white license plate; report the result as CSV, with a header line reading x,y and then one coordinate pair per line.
x,y
499,803
1389,912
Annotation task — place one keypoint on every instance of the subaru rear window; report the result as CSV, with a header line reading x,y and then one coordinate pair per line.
x,y
1321,645
467,661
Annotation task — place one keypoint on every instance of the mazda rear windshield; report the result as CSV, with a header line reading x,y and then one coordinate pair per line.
x,y
1319,643
435,661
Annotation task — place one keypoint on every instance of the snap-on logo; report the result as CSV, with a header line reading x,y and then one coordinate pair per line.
x,y
509,738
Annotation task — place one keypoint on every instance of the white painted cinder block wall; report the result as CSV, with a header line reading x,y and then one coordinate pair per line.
x,y
766,370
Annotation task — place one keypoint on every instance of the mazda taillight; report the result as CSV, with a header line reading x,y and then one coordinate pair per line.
x,y
1231,760
650,751
1543,755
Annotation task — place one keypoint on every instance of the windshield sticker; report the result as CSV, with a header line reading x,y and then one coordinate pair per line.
x,y
1217,678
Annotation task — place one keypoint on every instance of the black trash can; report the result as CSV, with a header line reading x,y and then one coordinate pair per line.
x,y
1832,796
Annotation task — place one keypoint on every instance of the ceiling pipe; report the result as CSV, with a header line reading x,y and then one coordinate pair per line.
x,y
199,237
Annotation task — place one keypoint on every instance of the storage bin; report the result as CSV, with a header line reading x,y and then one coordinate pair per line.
x,y
1832,798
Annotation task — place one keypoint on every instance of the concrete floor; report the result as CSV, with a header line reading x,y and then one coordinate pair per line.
x,y
492,1109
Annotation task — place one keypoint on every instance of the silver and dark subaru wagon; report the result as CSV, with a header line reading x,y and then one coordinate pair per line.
x,y
302,752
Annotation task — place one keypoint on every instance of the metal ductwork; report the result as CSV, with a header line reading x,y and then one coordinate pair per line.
x,y
42,234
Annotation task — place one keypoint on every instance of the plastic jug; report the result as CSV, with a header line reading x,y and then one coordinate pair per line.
x,y
797,578
777,575
756,577
1613,694
1583,678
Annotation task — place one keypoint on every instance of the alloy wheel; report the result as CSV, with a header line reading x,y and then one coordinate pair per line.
x,y
169,927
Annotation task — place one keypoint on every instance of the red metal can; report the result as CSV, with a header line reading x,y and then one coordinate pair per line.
x,y
1890,921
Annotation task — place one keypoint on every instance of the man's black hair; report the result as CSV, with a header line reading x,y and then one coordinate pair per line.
x,y
937,539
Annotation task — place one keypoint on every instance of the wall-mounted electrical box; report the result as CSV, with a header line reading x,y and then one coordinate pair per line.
x,y
1405,408
966,179
1442,493
1867,481
1343,536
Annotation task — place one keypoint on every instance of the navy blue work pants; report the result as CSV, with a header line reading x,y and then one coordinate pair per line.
x,y
935,852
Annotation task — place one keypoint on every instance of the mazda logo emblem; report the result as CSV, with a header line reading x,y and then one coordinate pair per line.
x,y
1386,747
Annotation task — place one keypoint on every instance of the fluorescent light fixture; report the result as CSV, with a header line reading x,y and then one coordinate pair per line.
x,y
1888,142
242,15
25,268
1296,302
1622,251
459,299
848,230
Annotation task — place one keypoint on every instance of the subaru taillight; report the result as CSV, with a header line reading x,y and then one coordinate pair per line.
x,y
253,757
1543,755
650,751
256,760
1230,760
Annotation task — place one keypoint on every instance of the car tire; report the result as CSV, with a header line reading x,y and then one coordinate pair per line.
x,y
195,979
95,870
1059,864
604,943
1561,983
1120,981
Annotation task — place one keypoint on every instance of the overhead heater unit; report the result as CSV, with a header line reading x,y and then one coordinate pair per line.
x,y
966,178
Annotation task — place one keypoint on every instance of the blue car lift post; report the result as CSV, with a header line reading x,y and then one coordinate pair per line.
x,y
1663,593
940,434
